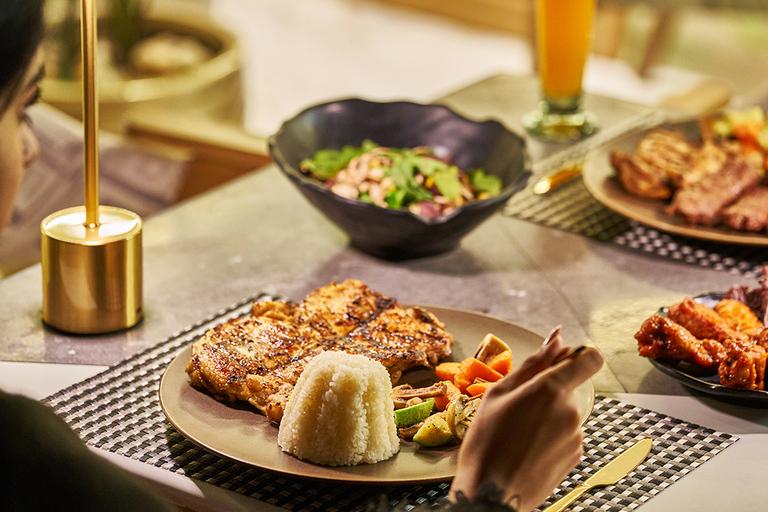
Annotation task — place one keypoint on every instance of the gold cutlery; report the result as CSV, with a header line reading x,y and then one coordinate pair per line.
x,y
547,183
615,470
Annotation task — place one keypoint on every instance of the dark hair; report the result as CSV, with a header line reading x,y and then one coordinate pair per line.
x,y
21,30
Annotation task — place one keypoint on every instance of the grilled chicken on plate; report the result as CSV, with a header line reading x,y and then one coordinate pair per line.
x,y
259,358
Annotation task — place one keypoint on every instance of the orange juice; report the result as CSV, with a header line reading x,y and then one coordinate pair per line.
x,y
563,31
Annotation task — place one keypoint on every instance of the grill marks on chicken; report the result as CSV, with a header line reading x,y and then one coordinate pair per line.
x,y
730,339
707,183
259,358
640,177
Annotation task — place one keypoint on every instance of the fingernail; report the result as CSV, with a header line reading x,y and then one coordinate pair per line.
x,y
552,335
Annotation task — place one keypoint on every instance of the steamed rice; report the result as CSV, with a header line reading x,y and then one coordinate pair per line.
x,y
340,412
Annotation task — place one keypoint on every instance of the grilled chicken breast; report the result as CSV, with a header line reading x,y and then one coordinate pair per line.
x,y
259,358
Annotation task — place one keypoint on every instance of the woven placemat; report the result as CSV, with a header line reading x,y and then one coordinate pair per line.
x,y
118,410
571,207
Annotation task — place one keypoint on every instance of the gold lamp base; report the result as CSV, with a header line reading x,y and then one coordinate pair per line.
x,y
92,275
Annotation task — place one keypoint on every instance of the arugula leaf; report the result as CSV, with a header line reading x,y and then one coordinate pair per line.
x,y
482,182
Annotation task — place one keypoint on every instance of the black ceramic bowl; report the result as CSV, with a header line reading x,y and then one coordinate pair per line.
x,y
390,233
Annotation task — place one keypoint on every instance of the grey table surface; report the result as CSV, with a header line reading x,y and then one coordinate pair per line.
x,y
258,234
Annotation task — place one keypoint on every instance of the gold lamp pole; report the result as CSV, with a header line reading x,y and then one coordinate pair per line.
x,y
89,38
91,254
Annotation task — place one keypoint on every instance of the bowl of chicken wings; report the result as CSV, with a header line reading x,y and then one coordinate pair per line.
x,y
716,343
402,179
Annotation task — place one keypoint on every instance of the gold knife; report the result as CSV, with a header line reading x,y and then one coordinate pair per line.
x,y
614,471
556,179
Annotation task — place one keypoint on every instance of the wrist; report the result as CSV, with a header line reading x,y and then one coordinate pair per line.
x,y
488,498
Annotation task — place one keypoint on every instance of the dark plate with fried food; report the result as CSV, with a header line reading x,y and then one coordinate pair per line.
x,y
703,380
601,181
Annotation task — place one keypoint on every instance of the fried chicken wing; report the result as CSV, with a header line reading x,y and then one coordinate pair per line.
x,y
743,366
731,337
703,322
662,338
739,317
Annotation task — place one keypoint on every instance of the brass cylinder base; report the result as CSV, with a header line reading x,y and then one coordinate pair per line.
x,y
92,275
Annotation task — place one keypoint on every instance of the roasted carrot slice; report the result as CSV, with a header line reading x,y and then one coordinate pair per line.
x,y
502,363
478,388
461,381
441,402
474,369
447,371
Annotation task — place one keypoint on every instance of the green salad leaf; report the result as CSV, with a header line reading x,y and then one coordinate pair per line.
x,y
326,163
416,174
427,165
403,173
447,182
483,182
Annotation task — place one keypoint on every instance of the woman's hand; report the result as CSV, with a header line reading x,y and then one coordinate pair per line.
x,y
526,435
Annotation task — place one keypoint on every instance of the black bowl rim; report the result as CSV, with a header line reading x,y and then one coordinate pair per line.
x,y
502,196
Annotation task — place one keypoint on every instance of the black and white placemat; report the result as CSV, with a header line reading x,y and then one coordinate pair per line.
x,y
118,410
571,207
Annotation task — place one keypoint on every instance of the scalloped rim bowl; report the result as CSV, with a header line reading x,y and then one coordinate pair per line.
x,y
389,233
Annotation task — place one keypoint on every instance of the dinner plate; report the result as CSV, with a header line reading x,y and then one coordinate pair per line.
x,y
240,433
707,381
601,181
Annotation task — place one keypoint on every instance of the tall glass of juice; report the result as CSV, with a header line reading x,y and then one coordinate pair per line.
x,y
563,34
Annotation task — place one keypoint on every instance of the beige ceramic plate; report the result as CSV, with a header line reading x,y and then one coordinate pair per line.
x,y
600,179
240,433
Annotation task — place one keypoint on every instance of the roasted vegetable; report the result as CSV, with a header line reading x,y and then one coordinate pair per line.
x,y
442,401
478,388
403,394
502,363
447,371
414,414
459,414
433,432
472,370
409,432
490,347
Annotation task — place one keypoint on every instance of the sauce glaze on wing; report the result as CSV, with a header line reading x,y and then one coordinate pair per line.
x,y
258,359
729,338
